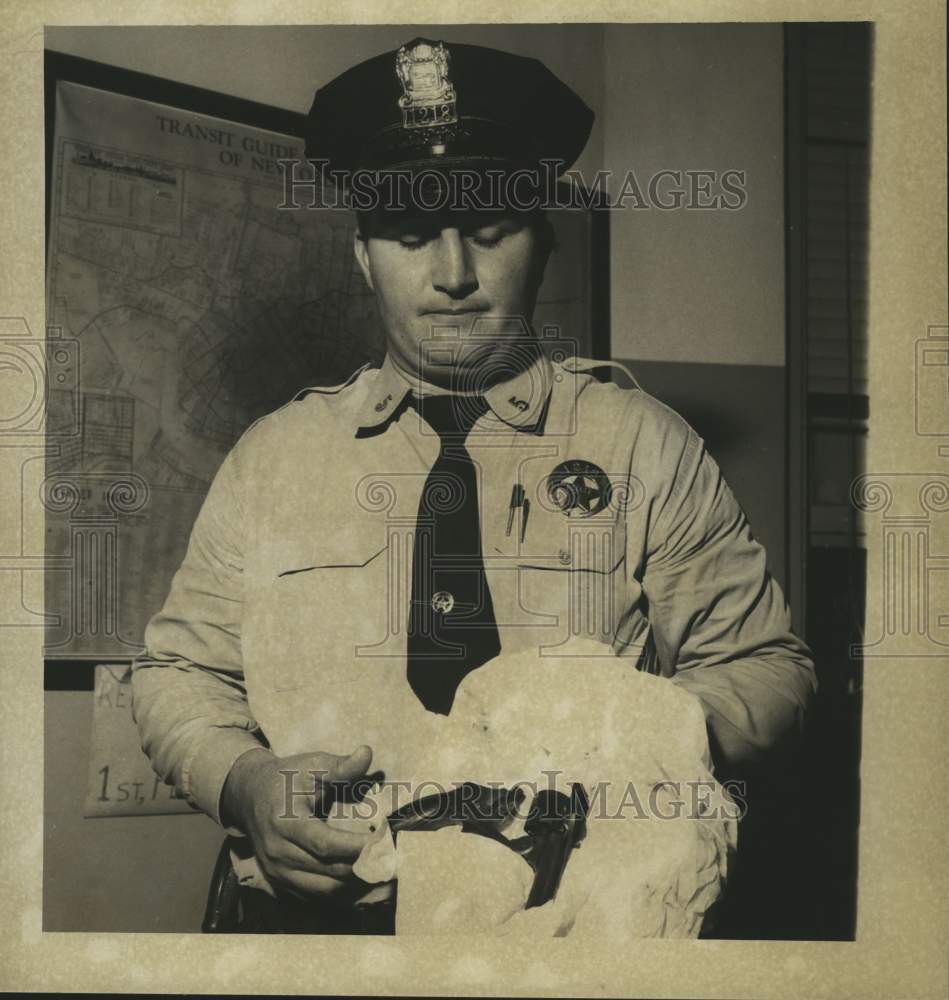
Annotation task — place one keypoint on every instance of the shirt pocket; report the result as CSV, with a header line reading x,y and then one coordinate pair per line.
x,y
324,619
576,583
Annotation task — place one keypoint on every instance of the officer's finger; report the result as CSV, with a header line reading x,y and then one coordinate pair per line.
x,y
293,858
353,766
328,844
328,769
305,884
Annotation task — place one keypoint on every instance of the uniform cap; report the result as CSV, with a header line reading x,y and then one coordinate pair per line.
x,y
437,106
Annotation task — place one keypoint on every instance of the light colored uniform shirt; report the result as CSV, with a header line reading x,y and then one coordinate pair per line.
x,y
287,619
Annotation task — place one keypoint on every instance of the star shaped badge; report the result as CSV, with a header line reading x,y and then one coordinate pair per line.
x,y
579,488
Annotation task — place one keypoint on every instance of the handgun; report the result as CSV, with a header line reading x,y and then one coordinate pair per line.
x,y
555,825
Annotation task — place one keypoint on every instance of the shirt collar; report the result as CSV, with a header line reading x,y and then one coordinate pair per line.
x,y
521,402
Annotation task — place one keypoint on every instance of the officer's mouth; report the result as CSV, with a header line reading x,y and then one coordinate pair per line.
x,y
453,312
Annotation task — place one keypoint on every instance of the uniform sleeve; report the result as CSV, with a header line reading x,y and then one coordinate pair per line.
x,y
719,620
188,692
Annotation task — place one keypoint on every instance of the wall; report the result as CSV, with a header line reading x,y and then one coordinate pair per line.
x,y
697,296
697,309
698,285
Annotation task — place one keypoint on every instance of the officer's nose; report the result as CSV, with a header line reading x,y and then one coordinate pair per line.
x,y
452,272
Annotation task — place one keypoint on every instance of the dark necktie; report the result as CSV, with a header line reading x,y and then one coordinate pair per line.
x,y
452,629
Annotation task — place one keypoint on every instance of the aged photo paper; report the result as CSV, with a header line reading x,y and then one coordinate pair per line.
x,y
900,499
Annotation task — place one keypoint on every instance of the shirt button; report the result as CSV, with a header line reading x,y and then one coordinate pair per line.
x,y
442,601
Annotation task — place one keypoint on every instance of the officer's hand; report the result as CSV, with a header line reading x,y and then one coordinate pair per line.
x,y
295,849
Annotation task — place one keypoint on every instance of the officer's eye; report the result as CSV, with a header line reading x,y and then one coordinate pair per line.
x,y
488,236
490,232
413,241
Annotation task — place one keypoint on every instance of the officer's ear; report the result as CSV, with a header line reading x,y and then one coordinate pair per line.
x,y
361,250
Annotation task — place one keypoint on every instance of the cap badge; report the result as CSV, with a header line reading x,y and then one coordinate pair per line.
x,y
428,97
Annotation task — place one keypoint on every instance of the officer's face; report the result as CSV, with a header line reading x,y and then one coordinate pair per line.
x,y
456,292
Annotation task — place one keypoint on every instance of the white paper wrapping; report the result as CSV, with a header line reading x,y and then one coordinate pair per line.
x,y
457,883
659,830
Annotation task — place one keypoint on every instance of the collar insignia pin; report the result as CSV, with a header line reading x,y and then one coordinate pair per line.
x,y
428,97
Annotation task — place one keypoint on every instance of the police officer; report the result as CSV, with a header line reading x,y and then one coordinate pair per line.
x,y
366,547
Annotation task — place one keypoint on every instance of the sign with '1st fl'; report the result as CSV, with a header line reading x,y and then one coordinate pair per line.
x,y
121,780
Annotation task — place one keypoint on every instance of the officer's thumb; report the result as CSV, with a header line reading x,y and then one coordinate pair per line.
x,y
352,767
